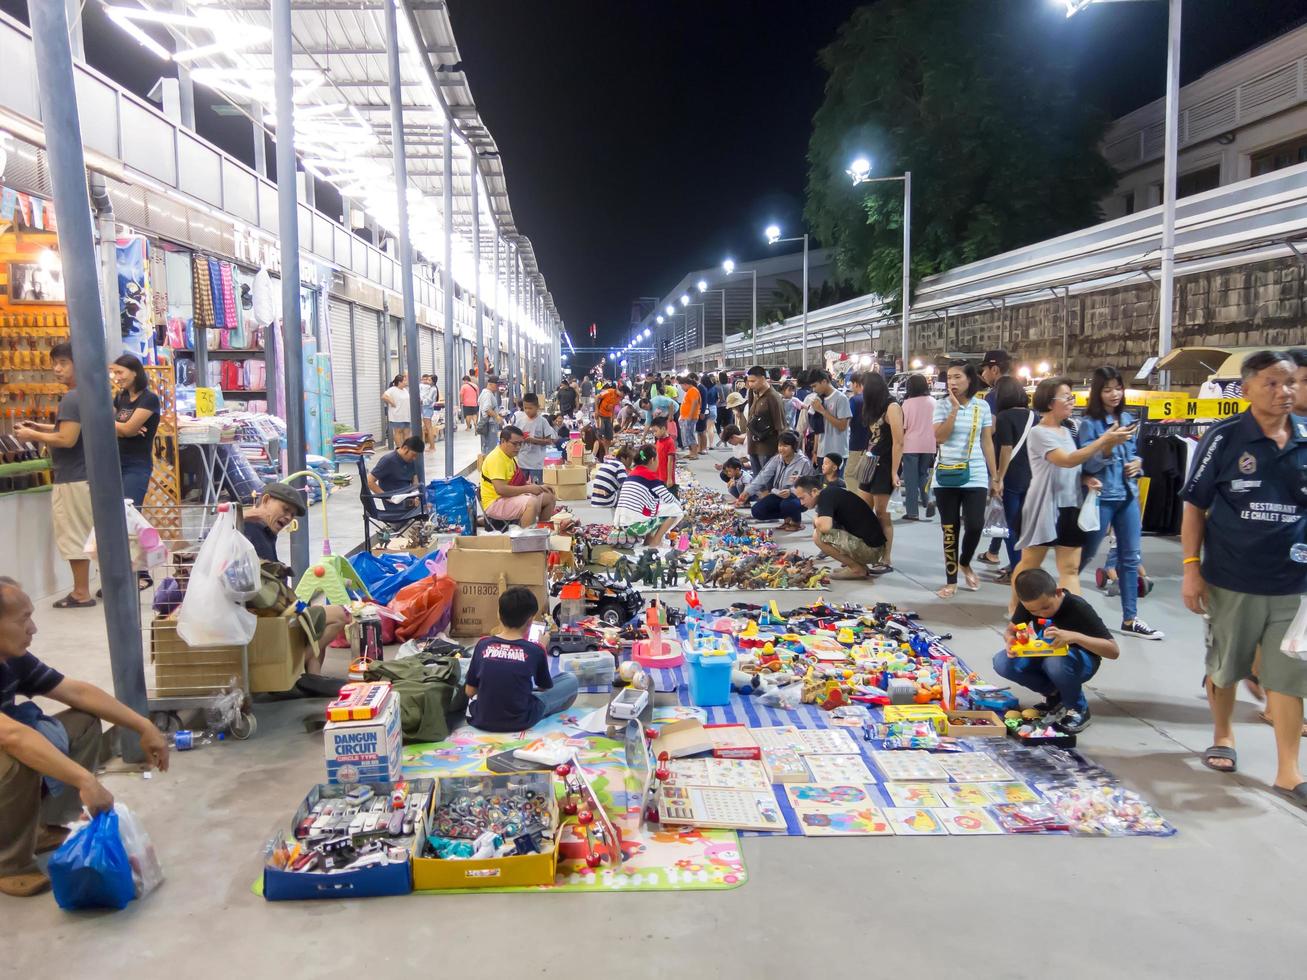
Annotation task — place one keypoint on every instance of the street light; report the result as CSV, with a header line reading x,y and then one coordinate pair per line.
x,y
729,267
1170,147
670,310
702,285
685,299
860,173
773,234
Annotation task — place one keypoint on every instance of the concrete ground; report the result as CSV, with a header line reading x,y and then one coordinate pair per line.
x,y
1222,898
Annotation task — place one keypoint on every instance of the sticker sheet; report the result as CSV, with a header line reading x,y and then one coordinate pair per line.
x,y
968,821
915,794
974,767
909,766
728,808
810,796
828,741
744,774
839,769
859,822
914,822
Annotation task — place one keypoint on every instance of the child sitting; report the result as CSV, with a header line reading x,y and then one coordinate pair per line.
x,y
732,474
831,464
504,666
1060,679
610,476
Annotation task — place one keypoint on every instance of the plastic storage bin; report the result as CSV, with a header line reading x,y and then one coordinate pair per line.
x,y
593,668
710,678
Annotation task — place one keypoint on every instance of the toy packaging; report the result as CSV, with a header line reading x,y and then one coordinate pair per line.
x,y
369,750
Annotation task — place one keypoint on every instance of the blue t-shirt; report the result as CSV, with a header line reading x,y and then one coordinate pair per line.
x,y
502,671
954,448
1252,492
394,473
27,676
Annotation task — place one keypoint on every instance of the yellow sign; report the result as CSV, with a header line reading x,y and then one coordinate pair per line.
x,y
206,402
1174,407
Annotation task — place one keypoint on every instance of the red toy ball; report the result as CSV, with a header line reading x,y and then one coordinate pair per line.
x,y
570,808
651,733
563,770
593,860
585,817
319,571
662,774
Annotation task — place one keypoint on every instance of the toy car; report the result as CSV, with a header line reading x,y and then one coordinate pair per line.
x,y
574,640
612,601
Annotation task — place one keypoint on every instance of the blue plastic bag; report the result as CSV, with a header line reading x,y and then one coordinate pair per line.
x,y
408,570
90,870
455,500
375,569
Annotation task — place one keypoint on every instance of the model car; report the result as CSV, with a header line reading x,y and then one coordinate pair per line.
x,y
611,601
575,639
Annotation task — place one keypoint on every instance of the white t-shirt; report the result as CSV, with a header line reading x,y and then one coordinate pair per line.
x,y
398,412
487,401
531,456
833,440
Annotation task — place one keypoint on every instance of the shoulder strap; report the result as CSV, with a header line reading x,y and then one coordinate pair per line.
x,y
1030,420
975,423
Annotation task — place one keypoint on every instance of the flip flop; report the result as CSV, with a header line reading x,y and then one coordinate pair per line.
x,y
68,602
970,581
24,886
879,569
49,838
1265,716
1226,752
947,592
1297,796
986,559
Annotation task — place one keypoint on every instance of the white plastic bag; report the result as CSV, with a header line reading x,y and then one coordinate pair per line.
x,y
1089,513
225,574
896,506
147,548
147,875
1294,643
996,520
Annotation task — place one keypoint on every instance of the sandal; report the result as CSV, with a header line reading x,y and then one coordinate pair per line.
x,y
880,568
1225,752
948,592
24,886
970,582
1004,577
1265,716
68,602
1297,796
987,559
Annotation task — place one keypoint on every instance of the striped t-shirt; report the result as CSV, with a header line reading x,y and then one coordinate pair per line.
x,y
27,676
608,480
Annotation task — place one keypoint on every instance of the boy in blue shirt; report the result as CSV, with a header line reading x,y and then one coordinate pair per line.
x,y
504,666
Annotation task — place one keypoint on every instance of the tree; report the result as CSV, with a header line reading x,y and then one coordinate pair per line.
x,y
975,97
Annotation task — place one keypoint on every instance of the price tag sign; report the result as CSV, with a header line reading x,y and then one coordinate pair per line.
x,y
206,401
1170,407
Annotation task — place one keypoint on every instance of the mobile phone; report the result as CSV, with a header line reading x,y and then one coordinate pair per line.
x,y
536,634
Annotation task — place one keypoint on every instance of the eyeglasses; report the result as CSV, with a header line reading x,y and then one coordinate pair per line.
x,y
1069,399
515,442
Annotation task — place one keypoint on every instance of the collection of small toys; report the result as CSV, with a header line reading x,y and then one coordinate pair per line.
x,y
477,818
357,829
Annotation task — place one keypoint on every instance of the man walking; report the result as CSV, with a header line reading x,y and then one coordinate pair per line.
x,y
766,418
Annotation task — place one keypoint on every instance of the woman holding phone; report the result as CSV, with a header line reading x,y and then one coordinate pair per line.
x,y
1051,513
965,474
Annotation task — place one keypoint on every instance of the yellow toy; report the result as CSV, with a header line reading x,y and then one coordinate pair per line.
x,y
1029,641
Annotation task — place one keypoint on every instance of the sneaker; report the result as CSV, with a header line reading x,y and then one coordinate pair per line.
x,y
1113,588
930,510
1073,721
1049,704
1142,630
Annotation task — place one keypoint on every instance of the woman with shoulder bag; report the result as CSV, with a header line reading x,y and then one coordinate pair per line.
x,y
963,473
883,419
1012,426
1050,517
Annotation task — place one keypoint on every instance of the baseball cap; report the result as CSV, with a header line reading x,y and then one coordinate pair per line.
x,y
999,358
287,494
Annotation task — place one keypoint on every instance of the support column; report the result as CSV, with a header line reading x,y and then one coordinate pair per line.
x,y
413,355
447,283
476,266
185,87
289,232
261,148
63,135
499,309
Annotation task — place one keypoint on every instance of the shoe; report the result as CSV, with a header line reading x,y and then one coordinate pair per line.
x,y
1145,585
1142,630
930,510
909,517
1073,721
1113,588
1100,577
1049,704
25,885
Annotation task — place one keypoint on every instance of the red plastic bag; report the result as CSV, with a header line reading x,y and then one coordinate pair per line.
x,y
426,607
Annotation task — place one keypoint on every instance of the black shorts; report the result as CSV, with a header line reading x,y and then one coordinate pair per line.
x,y
469,411
1069,534
701,425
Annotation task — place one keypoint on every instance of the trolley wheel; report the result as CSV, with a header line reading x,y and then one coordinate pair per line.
x,y
243,726
166,721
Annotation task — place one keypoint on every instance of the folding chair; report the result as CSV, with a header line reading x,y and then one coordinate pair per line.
x,y
379,513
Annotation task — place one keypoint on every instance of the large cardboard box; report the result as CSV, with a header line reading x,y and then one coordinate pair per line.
x,y
570,491
484,566
366,751
276,659
559,476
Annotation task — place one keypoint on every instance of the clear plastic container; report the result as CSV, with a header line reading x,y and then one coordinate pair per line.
x,y
593,668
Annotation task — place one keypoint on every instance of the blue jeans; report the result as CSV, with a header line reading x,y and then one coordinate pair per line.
x,y
1063,676
916,479
136,479
534,476
491,439
1122,516
561,696
1012,501
772,507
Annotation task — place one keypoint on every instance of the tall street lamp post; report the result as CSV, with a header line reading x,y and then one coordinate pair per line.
x,y
729,268
860,172
773,234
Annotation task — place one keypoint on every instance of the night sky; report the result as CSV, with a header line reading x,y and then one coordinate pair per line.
x,y
645,138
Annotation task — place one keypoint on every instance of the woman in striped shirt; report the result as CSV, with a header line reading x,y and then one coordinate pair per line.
x,y
644,504
610,476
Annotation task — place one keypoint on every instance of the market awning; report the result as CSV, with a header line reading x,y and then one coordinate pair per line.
x,y
1218,362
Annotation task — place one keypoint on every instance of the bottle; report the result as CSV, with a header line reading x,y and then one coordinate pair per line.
x,y
184,739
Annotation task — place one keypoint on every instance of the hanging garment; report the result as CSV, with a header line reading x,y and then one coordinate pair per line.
x,y
228,295
215,292
201,292
264,303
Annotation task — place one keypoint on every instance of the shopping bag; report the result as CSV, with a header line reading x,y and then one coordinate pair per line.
x,y
225,574
91,870
455,500
996,520
1294,643
372,569
1089,519
426,606
147,874
411,570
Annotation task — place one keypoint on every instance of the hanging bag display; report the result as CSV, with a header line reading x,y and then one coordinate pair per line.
x,y
959,474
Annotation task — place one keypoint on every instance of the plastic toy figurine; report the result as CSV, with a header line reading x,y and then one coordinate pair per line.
x,y
1029,641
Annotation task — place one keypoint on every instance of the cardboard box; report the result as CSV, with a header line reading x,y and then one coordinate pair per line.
x,y
367,751
975,724
485,565
564,475
681,738
276,659
570,491
431,873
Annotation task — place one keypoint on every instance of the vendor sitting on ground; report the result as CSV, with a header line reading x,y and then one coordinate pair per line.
x,y
276,506
610,476
62,751
397,471
644,504
845,528
505,494
831,465
499,679
773,487
733,475
1060,680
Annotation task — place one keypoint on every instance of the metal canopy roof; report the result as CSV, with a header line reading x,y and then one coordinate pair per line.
x,y
342,107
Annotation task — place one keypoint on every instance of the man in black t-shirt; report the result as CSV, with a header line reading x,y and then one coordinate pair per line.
x,y
566,399
504,667
1076,625
845,528
396,471
62,751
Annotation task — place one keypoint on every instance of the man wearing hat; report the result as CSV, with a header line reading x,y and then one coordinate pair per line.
x,y
275,507
995,365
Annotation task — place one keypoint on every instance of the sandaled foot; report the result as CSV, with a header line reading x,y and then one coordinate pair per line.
x,y
790,526
988,559
1265,716
880,568
849,574
69,602
948,592
48,838
1297,796
970,581
24,886
1221,758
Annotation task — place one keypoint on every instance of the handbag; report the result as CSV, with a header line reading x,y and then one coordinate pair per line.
x,y
959,474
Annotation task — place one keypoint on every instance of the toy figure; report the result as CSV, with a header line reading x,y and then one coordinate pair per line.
x,y
694,574
624,570
672,570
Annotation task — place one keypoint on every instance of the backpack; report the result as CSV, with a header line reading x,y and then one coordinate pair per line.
x,y
275,595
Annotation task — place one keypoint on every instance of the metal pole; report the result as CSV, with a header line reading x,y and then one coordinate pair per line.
x,y
754,330
1066,320
723,328
803,361
413,355
261,146
907,261
185,87
289,231
447,283
1166,299
494,369
63,136
476,266
354,374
